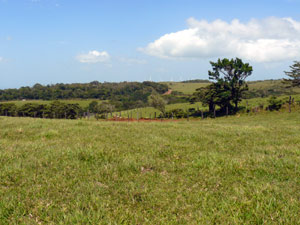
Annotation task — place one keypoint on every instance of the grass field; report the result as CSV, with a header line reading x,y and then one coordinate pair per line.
x,y
236,170
190,88
250,103
186,88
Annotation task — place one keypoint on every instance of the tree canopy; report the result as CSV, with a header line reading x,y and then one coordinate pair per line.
x,y
294,75
124,95
228,85
233,73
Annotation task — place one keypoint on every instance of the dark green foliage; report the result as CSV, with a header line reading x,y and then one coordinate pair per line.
x,y
176,113
180,113
233,73
126,94
274,103
8,109
93,107
61,110
294,75
33,110
215,94
173,98
56,109
196,81
228,85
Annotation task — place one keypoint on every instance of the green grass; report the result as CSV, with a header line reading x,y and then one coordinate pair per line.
x,y
190,88
146,112
235,170
186,88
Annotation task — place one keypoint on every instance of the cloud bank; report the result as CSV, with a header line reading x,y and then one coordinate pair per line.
x,y
93,57
268,40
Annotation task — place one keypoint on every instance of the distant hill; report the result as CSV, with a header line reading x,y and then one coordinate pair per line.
x,y
126,95
261,88
123,95
196,81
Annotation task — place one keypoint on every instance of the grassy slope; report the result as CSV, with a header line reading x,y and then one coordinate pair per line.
x,y
252,103
225,171
186,88
190,88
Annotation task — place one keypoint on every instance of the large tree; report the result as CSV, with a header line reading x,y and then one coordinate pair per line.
x,y
157,102
217,93
294,75
232,72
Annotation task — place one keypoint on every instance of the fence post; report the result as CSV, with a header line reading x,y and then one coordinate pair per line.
x,y
137,116
154,115
290,102
214,111
202,116
226,110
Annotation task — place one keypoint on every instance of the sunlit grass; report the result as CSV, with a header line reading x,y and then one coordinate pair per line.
x,y
235,170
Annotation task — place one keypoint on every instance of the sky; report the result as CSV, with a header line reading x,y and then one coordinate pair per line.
x,y
64,41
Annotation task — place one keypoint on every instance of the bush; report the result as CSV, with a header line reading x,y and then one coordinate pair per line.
x,y
176,113
274,103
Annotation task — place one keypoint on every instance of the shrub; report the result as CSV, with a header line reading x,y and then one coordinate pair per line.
x,y
274,103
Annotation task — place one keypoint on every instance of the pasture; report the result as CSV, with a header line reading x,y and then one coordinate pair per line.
x,y
235,170
190,88
146,112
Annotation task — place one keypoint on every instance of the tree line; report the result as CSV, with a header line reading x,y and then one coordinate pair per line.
x,y
55,109
124,95
225,91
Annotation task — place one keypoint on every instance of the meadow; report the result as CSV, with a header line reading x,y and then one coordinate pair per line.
x,y
252,103
185,88
236,170
190,88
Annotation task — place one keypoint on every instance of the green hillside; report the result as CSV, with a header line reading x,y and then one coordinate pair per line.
x,y
268,87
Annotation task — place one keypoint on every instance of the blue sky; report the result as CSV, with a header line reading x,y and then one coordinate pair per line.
x,y
53,41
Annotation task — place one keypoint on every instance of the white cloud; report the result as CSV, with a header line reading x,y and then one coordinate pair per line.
x,y
93,57
268,40
1,59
